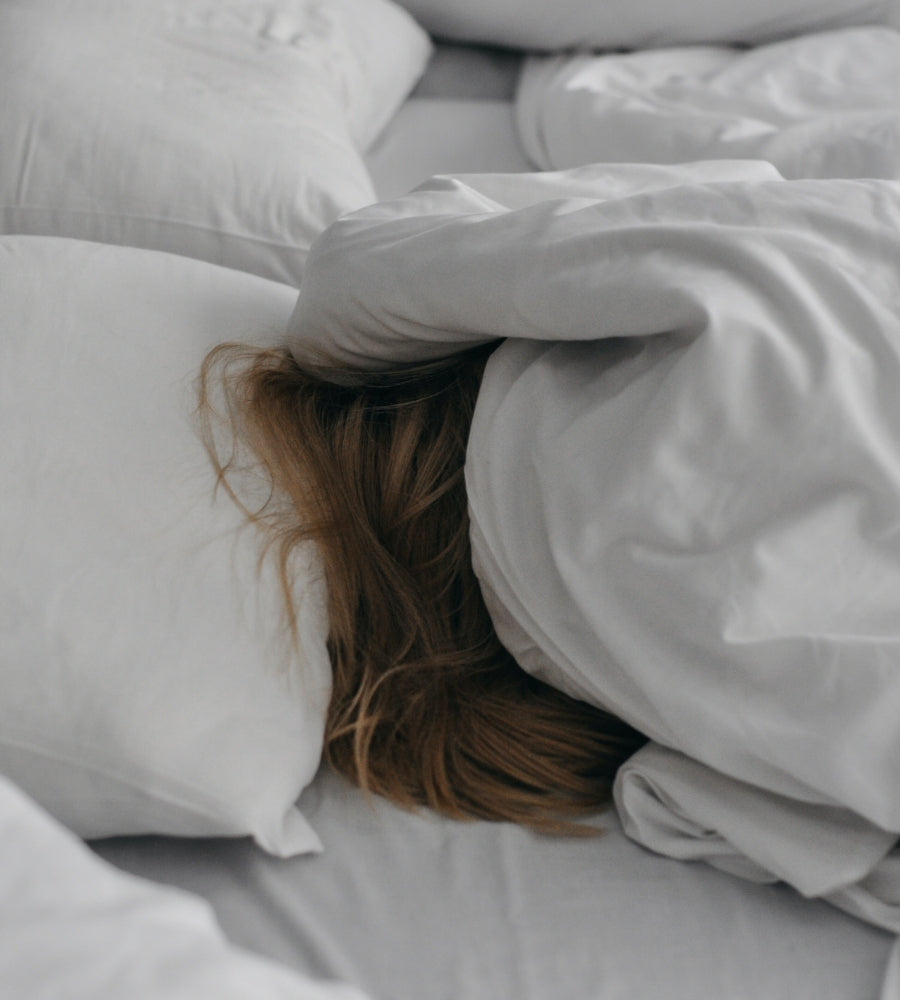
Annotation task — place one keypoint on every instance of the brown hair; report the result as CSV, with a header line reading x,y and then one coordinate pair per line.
x,y
427,707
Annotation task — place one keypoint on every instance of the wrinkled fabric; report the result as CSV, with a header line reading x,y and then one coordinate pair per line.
x,y
685,810
822,105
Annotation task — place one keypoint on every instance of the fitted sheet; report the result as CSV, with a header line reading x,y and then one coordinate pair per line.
x,y
459,119
408,906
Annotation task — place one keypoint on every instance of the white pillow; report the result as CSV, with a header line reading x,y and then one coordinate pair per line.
x,y
557,24
228,130
144,682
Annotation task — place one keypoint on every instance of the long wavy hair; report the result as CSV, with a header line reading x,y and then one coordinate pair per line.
x,y
427,708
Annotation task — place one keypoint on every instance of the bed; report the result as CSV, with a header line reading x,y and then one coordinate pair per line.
x,y
142,224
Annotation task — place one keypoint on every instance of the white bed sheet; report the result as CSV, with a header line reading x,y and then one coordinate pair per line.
x,y
410,906
460,119
473,72
432,136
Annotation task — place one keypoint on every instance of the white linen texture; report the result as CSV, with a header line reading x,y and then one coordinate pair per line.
x,y
684,467
226,130
146,685
824,105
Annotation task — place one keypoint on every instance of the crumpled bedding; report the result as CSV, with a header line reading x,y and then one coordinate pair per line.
x,y
822,105
73,926
684,466
682,809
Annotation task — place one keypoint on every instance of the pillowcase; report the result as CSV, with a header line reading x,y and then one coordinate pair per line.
x,y
227,130
146,683
557,24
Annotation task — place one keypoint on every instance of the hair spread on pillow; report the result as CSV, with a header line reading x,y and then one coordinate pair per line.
x,y
427,708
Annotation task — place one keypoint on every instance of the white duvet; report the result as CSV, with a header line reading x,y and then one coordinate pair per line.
x,y
684,467
822,105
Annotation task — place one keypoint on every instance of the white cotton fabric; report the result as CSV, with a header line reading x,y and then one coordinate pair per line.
x,y
400,901
428,136
72,926
824,105
226,130
684,466
147,684
679,808
686,810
